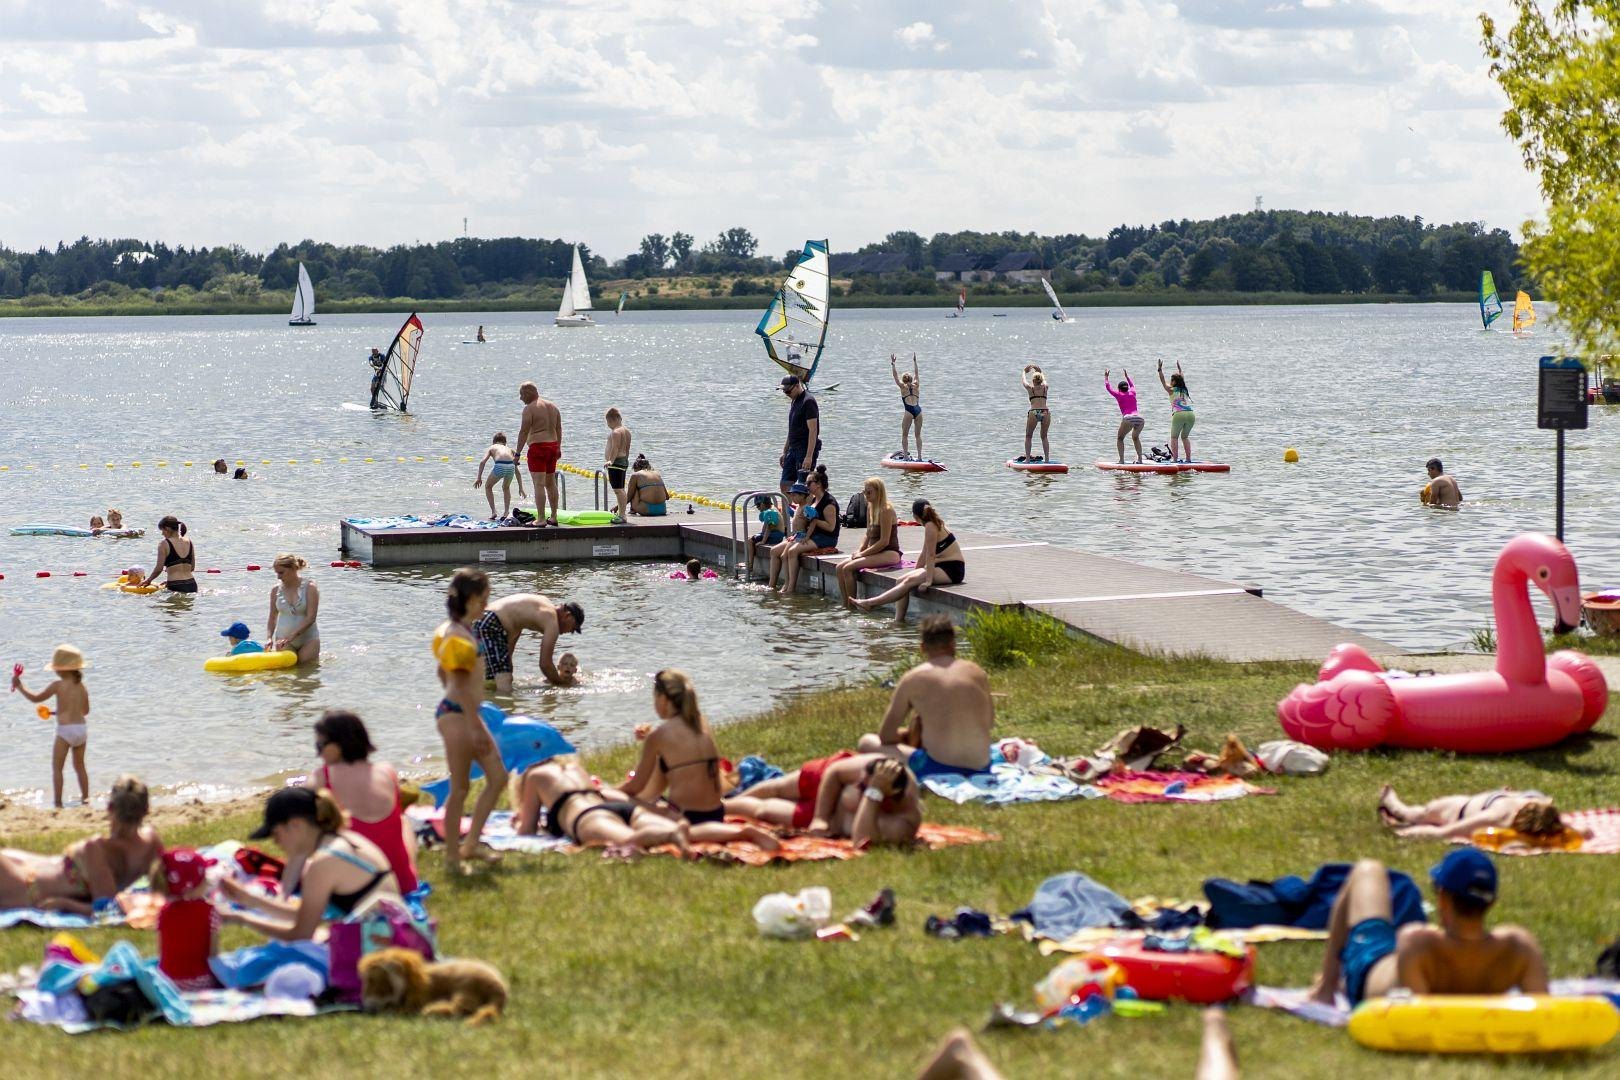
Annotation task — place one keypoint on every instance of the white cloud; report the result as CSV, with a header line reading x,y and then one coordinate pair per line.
x,y
920,35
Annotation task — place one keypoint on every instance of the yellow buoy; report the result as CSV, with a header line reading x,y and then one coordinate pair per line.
x,y
1291,455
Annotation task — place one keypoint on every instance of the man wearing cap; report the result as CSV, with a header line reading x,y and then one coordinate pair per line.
x,y
803,444
504,621
240,636
1460,956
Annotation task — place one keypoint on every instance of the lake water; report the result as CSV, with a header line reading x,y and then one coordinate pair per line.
x,y
1366,394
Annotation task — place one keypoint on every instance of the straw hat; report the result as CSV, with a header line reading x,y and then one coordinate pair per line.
x,y
67,658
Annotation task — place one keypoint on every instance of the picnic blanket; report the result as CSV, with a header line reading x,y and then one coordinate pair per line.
x,y
1295,1001
136,908
1603,825
206,1008
1005,784
1093,938
1146,787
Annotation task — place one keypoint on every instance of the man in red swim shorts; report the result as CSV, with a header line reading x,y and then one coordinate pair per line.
x,y
866,797
541,432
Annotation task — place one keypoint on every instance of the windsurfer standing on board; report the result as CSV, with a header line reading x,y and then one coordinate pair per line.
x,y
379,364
803,444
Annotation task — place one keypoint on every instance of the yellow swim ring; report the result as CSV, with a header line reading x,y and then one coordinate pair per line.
x,y
1426,496
1484,1024
253,661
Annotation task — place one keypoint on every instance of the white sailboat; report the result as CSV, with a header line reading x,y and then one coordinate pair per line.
x,y
1058,315
303,305
575,309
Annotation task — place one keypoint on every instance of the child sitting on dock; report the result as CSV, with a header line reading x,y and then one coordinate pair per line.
x,y
72,706
503,467
240,638
770,529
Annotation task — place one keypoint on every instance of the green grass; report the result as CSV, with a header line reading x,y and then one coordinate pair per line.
x,y
656,967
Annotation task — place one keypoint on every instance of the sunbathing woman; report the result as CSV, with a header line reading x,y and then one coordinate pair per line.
x,y
90,872
587,815
910,388
680,761
882,547
1529,812
869,798
466,739
939,563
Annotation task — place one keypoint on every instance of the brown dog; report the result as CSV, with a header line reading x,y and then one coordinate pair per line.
x,y
399,980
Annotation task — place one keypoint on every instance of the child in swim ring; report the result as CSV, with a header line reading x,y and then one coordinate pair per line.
x,y
240,638
502,467
72,706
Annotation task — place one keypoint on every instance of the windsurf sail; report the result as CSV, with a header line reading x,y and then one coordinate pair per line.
x,y
1052,296
391,385
1524,312
303,305
1490,305
794,326
961,302
622,298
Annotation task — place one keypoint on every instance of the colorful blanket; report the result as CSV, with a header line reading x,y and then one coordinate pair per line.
x,y
1176,787
136,908
1602,825
1005,784
208,1007
1094,938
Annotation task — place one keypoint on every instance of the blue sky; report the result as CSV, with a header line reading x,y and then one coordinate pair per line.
x,y
382,121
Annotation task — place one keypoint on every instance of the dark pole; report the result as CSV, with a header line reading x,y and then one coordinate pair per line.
x,y
1560,484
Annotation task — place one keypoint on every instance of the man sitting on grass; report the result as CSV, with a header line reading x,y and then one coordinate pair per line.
x,y
869,798
1459,956
949,702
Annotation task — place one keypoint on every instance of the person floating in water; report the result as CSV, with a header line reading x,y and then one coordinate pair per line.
x,y
379,366
1441,490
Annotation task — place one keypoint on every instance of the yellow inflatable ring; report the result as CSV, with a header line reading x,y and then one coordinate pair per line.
x,y
253,661
1496,1024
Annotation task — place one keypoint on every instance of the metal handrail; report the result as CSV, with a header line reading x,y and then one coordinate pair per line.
x,y
746,500
601,494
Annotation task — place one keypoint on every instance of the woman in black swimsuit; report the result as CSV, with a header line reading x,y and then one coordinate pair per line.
x,y
176,558
588,815
939,563
330,868
680,761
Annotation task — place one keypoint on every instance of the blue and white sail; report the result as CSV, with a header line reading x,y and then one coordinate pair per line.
x,y
794,327
1490,304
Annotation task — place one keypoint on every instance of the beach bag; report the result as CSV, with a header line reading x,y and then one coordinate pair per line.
x,y
385,925
855,511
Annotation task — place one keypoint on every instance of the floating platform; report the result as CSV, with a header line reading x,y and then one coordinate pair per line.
x,y
1140,607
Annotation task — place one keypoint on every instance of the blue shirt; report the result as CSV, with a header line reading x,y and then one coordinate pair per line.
x,y
246,647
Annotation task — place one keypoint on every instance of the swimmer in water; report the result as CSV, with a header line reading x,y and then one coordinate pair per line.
x,y
1129,419
1036,386
910,386
567,669
1441,490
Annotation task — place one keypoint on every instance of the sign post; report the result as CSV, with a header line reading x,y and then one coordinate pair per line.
x,y
1561,406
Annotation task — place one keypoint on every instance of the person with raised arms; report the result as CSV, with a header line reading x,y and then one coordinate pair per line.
x,y
910,387
1036,386
1182,416
947,701
1129,419
503,623
869,798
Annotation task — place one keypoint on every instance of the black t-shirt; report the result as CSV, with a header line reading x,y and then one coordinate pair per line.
x,y
827,511
803,410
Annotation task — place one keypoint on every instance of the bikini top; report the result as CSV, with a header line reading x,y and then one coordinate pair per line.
x,y
667,768
174,558
345,903
943,543
455,653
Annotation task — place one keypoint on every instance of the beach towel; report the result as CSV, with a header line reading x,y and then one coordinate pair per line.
x,y
1096,937
819,848
1604,826
135,908
205,1008
1293,1000
1005,784
1067,903
500,832
1176,787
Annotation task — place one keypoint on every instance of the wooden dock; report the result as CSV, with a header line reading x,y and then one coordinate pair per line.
x,y
1126,603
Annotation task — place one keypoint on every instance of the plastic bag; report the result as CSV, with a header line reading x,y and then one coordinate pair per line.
x,y
1289,758
782,915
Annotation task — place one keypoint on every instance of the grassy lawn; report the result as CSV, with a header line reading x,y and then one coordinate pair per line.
x,y
656,967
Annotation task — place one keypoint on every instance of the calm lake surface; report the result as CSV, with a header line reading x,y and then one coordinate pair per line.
x,y
1365,393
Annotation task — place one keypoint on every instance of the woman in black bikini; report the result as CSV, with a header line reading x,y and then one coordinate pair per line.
x,y
1039,415
1453,816
178,566
680,761
939,563
339,870
587,815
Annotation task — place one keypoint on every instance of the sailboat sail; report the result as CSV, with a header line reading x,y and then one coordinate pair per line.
x,y
794,326
578,286
622,298
1052,296
303,305
1524,312
392,388
1490,305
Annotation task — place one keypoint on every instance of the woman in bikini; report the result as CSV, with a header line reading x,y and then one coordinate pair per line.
x,y
1036,386
90,873
176,558
338,871
1529,812
882,546
466,739
680,761
910,400
368,790
294,604
577,810
940,563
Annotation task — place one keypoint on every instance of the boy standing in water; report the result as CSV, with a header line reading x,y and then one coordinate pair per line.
x,y
616,458
72,706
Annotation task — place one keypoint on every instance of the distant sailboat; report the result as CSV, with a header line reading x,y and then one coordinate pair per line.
x,y
961,306
1524,313
794,327
303,305
575,309
1490,305
622,298
1059,315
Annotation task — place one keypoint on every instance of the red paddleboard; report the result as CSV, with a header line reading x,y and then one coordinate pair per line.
x,y
1165,467
911,464
1038,466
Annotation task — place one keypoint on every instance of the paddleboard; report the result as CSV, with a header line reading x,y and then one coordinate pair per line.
x,y
1038,466
911,464
1165,466
45,529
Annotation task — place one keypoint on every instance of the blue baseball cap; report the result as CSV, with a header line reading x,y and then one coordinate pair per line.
x,y
237,630
799,489
1466,872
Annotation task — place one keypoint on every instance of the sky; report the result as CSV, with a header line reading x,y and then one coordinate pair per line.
x,y
253,122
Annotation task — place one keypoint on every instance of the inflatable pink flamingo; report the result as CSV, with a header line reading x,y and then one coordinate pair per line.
x,y
1530,700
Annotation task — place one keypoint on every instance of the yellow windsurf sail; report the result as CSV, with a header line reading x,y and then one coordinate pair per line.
x,y
1524,312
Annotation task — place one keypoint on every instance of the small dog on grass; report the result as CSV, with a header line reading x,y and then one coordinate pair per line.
x,y
399,980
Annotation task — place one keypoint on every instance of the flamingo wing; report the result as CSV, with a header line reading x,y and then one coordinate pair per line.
x,y
1355,710
1585,673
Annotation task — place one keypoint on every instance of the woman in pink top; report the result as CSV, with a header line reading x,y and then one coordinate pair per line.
x,y
1129,419
367,790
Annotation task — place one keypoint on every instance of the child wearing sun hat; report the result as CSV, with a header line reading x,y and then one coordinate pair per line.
x,y
72,706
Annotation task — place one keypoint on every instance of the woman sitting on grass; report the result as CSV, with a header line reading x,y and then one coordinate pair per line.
x,y
577,810
1530,813
90,873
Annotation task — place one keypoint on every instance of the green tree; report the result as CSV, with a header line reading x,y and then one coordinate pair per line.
x,y
654,252
680,249
1559,66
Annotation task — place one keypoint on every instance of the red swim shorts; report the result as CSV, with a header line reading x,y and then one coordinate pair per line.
x,y
810,773
543,456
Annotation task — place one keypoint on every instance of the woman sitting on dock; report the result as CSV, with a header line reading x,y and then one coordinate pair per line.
x,y
939,563
820,512
646,490
466,739
882,547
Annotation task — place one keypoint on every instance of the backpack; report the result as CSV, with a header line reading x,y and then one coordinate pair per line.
x,y
855,511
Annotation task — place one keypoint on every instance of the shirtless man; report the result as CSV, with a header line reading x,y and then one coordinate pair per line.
x,y
504,621
869,798
950,699
1441,490
616,457
541,432
1458,957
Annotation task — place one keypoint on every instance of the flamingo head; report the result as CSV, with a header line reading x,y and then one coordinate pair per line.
x,y
1547,564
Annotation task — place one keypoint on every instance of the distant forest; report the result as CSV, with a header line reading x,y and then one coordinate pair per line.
x,y
1261,252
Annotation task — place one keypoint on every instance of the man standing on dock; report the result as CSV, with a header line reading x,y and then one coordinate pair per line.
x,y
504,621
947,700
803,444
541,432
